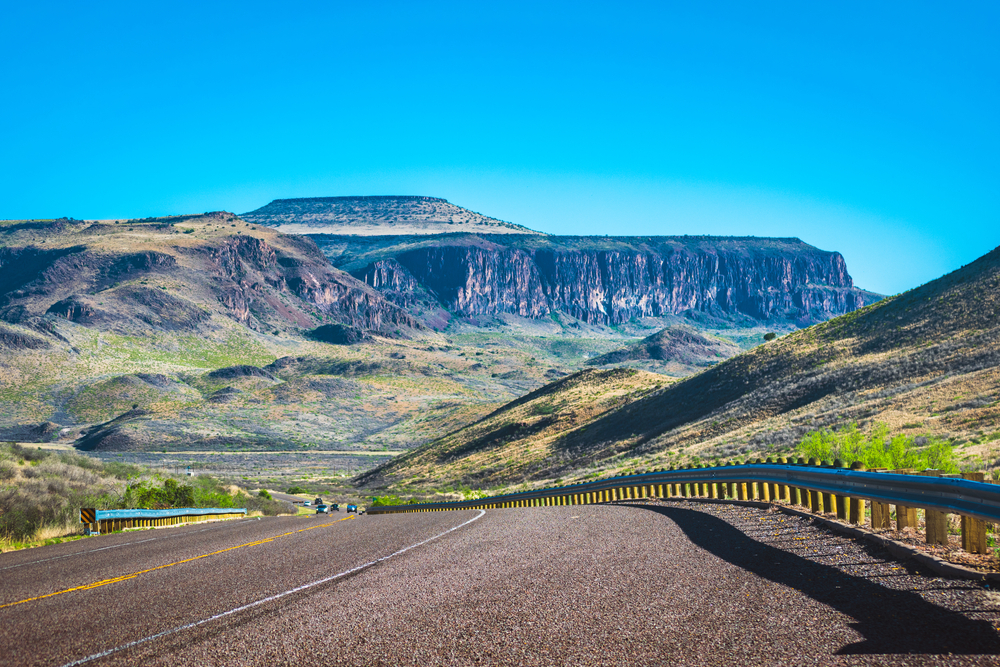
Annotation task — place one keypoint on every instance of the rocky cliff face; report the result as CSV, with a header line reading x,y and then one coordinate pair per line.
x,y
612,280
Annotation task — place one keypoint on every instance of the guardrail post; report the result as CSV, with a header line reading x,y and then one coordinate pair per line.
x,y
843,501
741,489
775,493
973,530
782,488
813,502
731,486
906,517
857,504
829,499
764,487
881,517
935,523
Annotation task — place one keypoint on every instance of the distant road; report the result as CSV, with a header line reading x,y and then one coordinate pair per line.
x,y
608,585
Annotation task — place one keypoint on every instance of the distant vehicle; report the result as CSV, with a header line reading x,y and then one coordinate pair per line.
x,y
335,507
322,509
306,503
352,508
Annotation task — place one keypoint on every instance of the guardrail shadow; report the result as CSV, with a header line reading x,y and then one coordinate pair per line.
x,y
892,621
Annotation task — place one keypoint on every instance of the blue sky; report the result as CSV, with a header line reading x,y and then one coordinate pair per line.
x,y
871,130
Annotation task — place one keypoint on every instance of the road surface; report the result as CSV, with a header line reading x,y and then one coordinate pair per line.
x,y
675,583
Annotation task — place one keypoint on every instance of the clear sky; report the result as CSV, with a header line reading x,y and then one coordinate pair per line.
x,y
868,128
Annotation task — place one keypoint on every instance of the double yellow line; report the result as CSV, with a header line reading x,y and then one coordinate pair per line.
x,y
126,577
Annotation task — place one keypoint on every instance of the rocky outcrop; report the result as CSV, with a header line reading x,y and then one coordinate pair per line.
x,y
680,344
612,280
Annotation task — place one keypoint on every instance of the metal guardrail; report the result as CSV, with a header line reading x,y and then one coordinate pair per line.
x,y
941,494
98,520
162,514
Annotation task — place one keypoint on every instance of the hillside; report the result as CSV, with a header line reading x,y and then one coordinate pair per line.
x,y
924,362
510,443
365,216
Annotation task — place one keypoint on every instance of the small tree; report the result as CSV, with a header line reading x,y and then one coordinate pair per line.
x,y
770,335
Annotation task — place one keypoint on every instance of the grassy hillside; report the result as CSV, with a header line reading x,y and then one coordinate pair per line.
x,y
516,441
42,491
925,363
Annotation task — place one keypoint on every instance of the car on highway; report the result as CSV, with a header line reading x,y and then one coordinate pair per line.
x,y
322,509
352,508
335,507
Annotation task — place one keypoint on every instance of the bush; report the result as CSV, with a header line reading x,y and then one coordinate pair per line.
x,y
878,450
265,494
296,491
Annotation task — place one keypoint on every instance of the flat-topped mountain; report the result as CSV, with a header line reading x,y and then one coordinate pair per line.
x,y
924,363
377,216
603,280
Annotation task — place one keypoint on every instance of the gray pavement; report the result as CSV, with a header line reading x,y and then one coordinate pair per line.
x,y
675,583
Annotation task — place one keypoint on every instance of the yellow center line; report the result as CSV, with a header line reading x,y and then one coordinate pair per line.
x,y
126,577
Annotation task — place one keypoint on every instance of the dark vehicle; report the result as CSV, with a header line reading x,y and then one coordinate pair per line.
x,y
352,508
335,507
322,509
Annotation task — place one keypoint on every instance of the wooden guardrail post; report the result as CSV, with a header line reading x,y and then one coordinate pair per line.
x,y
935,523
973,530
782,488
813,496
763,488
881,516
906,517
741,487
774,494
829,499
857,504
843,513
799,495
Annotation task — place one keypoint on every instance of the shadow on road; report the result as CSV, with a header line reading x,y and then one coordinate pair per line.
x,y
892,621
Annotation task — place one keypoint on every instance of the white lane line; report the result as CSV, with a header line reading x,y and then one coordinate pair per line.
x,y
272,598
113,546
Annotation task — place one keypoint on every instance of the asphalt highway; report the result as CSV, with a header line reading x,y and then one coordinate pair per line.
x,y
676,583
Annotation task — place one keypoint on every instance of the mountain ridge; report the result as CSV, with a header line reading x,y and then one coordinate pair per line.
x,y
923,362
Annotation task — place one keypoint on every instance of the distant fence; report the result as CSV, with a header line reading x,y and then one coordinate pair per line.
x,y
821,488
98,521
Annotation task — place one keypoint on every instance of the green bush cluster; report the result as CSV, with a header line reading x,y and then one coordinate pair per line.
x,y
878,450
387,500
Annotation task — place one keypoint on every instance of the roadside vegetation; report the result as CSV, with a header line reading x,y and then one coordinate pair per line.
x,y
877,449
41,493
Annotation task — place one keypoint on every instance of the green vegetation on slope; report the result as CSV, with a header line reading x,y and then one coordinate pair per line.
x,y
42,491
878,450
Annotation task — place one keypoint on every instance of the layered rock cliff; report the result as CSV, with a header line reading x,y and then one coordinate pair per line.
x,y
608,280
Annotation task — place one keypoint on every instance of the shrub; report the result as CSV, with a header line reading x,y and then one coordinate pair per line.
x,y
878,450
296,491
